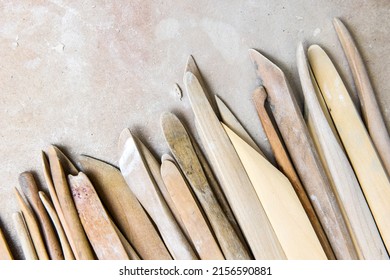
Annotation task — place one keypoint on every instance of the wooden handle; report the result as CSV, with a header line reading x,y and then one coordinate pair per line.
x,y
5,252
24,237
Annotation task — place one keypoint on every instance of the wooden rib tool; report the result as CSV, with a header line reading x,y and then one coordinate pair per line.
x,y
5,252
24,237
306,161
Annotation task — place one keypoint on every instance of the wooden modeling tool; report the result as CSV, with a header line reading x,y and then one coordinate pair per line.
x,y
5,252
138,178
168,157
232,176
24,237
191,215
371,111
94,218
181,147
286,166
30,190
306,160
131,253
357,143
125,209
365,235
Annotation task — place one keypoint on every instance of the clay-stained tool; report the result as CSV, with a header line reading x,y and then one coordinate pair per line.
x,y
232,176
32,226
24,237
365,235
5,252
66,249
30,190
371,111
94,218
137,176
182,149
194,222
286,166
356,140
125,209
306,160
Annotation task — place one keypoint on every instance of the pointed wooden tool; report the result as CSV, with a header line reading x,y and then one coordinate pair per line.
x,y
365,234
125,209
24,237
306,160
285,165
181,147
232,176
371,111
192,217
357,143
5,252
138,178
30,190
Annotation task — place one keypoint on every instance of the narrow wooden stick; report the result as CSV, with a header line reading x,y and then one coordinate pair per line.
x,y
5,252
24,237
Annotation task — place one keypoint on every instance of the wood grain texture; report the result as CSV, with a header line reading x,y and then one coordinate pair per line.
x,y
306,160
5,252
24,237
232,176
370,108
138,178
125,209
356,140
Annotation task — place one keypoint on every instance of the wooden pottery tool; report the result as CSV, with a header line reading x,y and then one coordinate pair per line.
x,y
132,254
125,209
365,235
304,156
5,252
94,218
232,176
24,237
182,149
168,157
371,111
197,228
285,165
137,176
30,190
357,143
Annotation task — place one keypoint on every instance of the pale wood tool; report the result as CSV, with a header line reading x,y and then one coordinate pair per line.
x,y
125,209
24,237
132,254
181,147
371,111
285,165
30,190
304,156
94,218
365,235
168,157
66,249
5,252
357,143
137,176
74,230
32,226
197,228
232,176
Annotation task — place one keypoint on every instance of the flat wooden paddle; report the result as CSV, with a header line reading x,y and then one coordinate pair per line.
x,y
5,252
24,237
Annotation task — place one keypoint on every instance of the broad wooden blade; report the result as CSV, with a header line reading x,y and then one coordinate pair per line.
x,y
5,252
232,176
189,212
357,143
181,147
125,209
365,234
30,190
306,160
371,111
138,178
286,166
24,237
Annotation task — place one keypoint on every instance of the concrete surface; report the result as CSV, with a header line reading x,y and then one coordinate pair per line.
x,y
75,73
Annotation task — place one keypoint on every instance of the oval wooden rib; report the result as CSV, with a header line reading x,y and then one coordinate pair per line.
x,y
181,147
232,177
304,156
5,252
365,234
138,178
285,165
357,143
125,209
193,220
30,190
371,111
24,237
66,249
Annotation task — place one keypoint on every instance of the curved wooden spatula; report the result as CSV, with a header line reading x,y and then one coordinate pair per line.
x,y
5,252
357,143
